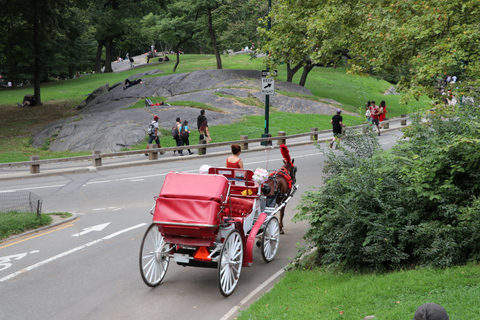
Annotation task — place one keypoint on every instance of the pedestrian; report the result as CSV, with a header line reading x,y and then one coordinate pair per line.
x,y
127,57
131,62
234,161
184,135
204,133
177,136
338,125
200,119
153,134
367,112
382,109
374,113
430,311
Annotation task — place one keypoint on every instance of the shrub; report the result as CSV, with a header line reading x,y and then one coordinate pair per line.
x,y
413,205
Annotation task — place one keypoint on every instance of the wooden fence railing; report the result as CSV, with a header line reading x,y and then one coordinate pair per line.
x,y
96,157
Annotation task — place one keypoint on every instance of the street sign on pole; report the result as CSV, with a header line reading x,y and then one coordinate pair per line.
x,y
268,84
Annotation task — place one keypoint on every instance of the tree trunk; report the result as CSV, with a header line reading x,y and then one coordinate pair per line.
x,y
214,42
37,68
108,57
98,65
291,72
306,69
178,59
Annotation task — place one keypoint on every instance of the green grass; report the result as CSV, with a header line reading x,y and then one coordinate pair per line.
x,y
320,294
61,98
12,223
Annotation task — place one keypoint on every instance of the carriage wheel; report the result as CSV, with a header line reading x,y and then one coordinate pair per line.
x,y
230,263
270,239
154,257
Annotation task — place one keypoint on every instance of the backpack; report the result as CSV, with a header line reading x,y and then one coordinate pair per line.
x,y
184,134
151,129
174,130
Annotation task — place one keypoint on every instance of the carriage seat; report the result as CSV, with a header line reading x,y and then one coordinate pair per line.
x,y
240,207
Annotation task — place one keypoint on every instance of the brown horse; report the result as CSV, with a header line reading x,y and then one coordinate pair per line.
x,y
279,186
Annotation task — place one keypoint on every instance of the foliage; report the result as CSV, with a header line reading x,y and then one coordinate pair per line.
x,y
324,294
429,37
307,34
236,23
415,205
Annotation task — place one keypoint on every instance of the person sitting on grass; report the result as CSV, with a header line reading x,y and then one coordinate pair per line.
x,y
28,101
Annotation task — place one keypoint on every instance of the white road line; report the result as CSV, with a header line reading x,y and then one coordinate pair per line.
x,y
32,188
250,296
123,231
66,253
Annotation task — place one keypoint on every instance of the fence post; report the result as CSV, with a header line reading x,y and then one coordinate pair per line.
x,y
403,122
281,141
34,168
97,160
244,144
153,155
314,135
202,150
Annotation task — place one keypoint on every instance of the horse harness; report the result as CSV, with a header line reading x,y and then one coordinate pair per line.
x,y
282,172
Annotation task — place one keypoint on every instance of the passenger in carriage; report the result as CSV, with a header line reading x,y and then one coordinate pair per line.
x,y
234,161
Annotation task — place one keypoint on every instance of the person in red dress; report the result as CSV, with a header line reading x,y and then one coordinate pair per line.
x,y
382,110
234,161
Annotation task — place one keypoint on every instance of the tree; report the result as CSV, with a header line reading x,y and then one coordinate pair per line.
x,y
176,25
37,29
236,23
308,34
113,20
430,37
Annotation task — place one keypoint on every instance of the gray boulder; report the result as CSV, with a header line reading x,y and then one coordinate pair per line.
x,y
105,123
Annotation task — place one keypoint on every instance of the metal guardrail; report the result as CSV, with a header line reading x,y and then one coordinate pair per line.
x,y
96,157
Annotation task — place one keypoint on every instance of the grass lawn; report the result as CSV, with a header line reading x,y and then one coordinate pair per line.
x,y
17,222
320,294
60,99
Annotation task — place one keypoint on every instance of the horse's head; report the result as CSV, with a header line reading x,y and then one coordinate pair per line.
x,y
292,170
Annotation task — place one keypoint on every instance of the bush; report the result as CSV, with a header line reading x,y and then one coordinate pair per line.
x,y
413,205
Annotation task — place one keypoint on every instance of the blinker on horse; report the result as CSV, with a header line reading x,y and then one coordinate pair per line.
x,y
279,185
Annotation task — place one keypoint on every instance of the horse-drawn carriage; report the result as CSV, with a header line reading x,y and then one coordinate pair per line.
x,y
210,220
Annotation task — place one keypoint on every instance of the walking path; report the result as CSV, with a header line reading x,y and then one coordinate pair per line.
x,y
59,168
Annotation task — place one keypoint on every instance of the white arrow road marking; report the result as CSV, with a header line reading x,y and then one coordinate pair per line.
x,y
99,227
41,263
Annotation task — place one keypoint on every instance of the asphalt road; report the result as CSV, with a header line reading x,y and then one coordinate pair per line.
x,y
74,271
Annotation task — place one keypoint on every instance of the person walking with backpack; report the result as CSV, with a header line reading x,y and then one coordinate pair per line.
x,y
185,134
200,119
153,134
176,135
